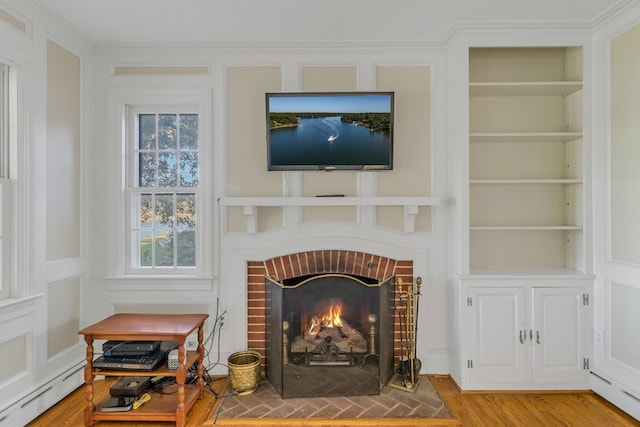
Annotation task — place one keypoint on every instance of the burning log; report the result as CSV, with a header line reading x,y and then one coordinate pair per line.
x,y
345,339
329,335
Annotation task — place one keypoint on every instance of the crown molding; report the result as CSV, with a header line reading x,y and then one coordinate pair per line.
x,y
612,11
456,28
273,45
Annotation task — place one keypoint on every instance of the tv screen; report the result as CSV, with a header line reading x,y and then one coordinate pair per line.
x,y
330,131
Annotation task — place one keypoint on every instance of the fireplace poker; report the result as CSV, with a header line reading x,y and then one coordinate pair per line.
x,y
417,306
402,314
410,326
407,364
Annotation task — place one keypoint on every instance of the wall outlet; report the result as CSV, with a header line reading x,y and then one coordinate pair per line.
x,y
191,343
598,337
223,321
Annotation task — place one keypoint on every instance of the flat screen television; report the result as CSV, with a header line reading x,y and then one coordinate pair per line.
x,y
330,131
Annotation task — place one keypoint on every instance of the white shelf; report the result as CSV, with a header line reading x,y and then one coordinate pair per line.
x,y
526,227
251,204
546,273
524,88
524,181
329,201
524,136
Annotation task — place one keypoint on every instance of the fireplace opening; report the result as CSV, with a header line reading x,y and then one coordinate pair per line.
x,y
329,335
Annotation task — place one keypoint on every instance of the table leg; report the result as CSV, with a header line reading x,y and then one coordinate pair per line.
x,y
181,376
201,361
88,380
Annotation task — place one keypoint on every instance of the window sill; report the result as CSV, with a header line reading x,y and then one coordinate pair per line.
x,y
19,302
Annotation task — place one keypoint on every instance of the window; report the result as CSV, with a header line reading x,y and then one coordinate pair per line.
x,y
5,185
164,191
4,121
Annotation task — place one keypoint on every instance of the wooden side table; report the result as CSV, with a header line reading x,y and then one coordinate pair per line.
x,y
149,327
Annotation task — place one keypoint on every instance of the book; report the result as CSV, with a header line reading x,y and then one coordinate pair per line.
x,y
117,404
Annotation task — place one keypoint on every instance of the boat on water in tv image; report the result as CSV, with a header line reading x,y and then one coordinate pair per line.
x,y
330,131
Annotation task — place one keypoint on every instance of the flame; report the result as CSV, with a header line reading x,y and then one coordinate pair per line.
x,y
332,319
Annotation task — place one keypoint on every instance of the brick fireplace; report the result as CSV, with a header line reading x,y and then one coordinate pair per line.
x,y
317,263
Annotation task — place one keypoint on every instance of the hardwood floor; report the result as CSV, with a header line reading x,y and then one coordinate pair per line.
x,y
546,409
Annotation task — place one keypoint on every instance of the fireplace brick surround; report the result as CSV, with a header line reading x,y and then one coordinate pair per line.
x,y
311,263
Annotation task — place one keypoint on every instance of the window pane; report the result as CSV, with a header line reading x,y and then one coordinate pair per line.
x,y
147,165
167,170
186,210
186,246
189,169
145,211
147,130
144,240
167,131
189,131
164,248
164,214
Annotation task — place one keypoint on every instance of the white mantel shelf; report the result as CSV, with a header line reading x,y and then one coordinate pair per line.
x,y
250,204
329,201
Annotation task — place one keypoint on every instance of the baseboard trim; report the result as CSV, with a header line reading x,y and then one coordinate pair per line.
x,y
615,393
42,397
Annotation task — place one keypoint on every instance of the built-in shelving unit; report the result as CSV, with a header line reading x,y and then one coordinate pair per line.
x,y
524,301
525,159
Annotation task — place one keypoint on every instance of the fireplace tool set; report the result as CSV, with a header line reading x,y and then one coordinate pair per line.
x,y
406,374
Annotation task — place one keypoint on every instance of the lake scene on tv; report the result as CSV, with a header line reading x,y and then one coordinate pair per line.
x,y
330,131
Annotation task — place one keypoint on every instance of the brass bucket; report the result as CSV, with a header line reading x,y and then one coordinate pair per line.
x,y
244,371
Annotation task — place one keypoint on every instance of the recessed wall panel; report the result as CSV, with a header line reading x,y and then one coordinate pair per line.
x,y
162,308
624,324
192,70
247,151
411,174
168,309
63,315
13,21
63,153
13,354
625,150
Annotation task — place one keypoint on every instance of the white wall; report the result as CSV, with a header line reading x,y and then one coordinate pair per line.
x,y
617,287
111,290
41,351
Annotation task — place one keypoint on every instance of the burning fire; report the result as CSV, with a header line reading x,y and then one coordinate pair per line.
x,y
331,319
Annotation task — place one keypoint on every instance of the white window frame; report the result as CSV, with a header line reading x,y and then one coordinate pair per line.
x,y
126,104
5,237
7,182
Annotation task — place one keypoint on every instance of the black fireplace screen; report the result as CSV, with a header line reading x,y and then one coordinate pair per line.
x,y
329,335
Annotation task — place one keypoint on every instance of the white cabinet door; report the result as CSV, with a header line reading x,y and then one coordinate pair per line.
x,y
497,336
559,347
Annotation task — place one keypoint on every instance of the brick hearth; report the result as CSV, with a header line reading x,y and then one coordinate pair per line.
x,y
311,263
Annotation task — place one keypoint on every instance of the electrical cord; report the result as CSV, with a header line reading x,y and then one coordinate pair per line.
x,y
224,397
217,326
